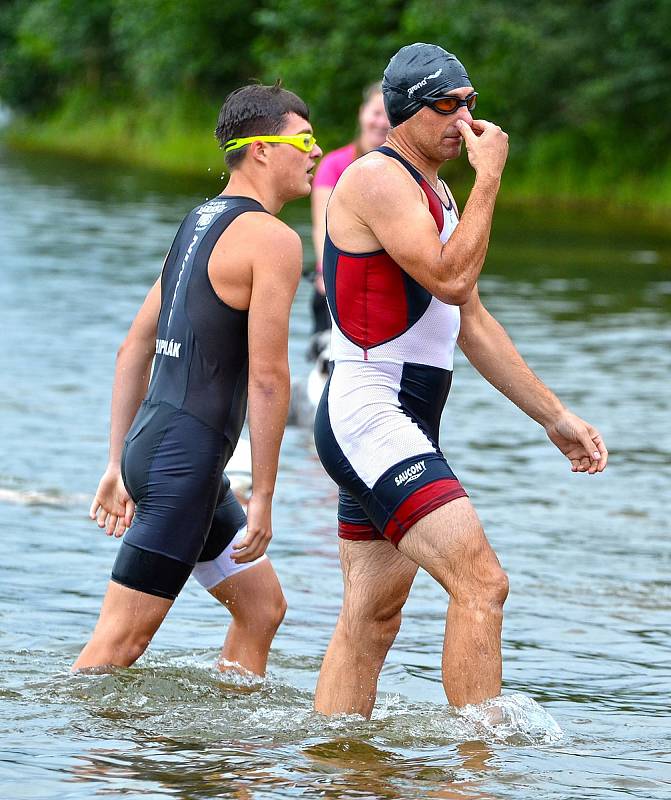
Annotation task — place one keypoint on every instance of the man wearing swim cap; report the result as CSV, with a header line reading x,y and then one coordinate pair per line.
x,y
401,270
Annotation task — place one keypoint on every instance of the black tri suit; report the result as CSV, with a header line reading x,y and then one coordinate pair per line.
x,y
189,423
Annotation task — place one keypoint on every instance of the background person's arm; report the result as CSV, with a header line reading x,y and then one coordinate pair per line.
x,y
490,350
275,275
112,505
318,199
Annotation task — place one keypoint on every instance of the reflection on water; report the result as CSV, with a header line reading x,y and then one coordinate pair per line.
x,y
586,297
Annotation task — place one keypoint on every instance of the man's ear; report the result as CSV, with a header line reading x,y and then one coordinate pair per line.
x,y
259,151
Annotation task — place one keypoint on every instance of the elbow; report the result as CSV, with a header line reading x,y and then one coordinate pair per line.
x,y
124,347
455,293
269,382
134,348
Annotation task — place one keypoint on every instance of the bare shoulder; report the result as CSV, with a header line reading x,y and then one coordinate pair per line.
x,y
276,250
269,238
265,224
281,239
376,178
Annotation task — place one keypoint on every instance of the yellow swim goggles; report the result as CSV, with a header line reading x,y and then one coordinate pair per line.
x,y
303,141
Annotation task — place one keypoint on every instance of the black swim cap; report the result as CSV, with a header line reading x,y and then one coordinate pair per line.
x,y
422,69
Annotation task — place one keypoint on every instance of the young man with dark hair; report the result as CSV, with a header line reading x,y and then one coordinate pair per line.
x,y
215,327
401,270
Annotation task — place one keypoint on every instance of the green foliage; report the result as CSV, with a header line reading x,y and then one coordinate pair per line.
x,y
167,46
582,86
328,53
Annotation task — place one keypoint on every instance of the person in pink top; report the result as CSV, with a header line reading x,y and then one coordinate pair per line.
x,y
373,128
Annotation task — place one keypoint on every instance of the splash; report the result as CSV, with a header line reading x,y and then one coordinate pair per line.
x,y
512,719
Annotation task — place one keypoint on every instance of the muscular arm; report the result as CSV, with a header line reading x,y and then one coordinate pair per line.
x,y
112,506
391,205
490,350
275,274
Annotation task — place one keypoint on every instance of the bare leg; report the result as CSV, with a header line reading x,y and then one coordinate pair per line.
x,y
127,622
255,599
450,544
377,580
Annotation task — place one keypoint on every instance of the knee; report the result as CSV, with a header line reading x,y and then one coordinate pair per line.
x,y
372,629
277,611
274,609
267,613
131,650
486,587
479,579
495,586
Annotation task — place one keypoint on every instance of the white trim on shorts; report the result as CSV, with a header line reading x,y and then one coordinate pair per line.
x,y
210,573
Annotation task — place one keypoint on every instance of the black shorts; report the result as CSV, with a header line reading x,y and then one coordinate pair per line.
x,y
186,513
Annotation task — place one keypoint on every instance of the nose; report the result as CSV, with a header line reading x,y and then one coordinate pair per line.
x,y
465,114
316,151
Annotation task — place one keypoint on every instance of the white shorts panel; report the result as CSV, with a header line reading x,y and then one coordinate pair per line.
x,y
367,421
210,573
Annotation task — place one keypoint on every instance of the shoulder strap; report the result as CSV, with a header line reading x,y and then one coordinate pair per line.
x,y
416,174
388,151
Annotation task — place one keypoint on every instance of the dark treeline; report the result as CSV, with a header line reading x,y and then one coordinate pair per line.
x,y
583,83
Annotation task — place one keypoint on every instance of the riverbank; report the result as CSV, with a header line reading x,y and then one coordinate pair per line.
x,y
179,139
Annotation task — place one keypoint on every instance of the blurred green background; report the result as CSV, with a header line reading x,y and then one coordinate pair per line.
x,y
581,86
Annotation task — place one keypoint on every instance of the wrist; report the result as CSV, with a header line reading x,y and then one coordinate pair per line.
x,y
263,494
550,416
488,180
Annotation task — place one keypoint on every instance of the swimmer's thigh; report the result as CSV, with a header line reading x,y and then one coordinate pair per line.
x,y
450,544
377,579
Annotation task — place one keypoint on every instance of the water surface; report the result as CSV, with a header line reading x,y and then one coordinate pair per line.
x,y
586,297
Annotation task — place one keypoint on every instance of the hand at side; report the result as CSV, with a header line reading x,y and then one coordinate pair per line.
x,y
112,506
580,442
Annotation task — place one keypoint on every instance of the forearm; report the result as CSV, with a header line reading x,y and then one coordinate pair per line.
x,y
131,378
318,236
268,405
463,255
491,351
319,200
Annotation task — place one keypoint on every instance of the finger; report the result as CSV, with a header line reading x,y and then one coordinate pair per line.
x,y
246,542
256,548
481,125
102,517
120,528
111,524
129,513
589,445
598,441
95,505
466,133
249,555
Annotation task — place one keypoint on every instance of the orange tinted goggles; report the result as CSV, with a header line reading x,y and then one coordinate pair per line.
x,y
448,104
